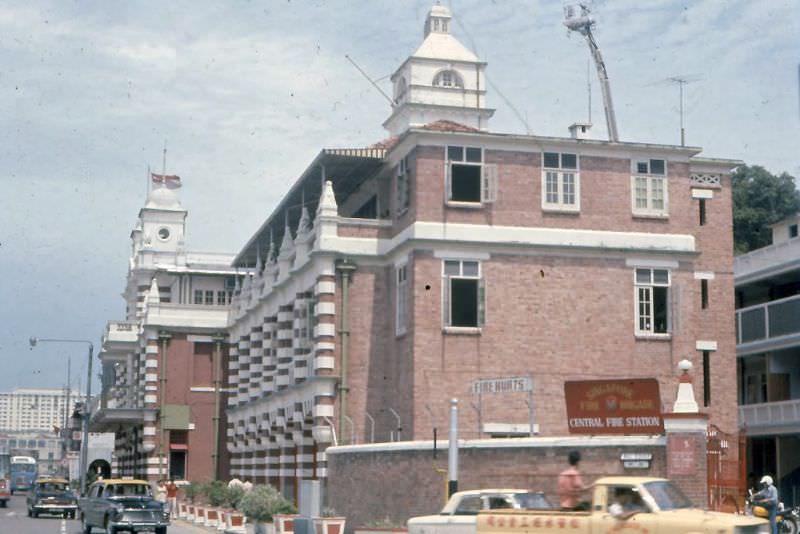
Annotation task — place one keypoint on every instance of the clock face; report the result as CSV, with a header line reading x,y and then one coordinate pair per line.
x,y
163,234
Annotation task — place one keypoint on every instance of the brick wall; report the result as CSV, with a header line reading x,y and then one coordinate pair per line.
x,y
402,483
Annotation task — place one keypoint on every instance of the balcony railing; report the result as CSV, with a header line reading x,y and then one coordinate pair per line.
x,y
768,321
770,414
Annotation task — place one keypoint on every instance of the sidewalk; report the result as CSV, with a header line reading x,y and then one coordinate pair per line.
x,y
203,529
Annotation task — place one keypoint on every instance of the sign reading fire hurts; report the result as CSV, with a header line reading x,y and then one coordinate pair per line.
x,y
614,407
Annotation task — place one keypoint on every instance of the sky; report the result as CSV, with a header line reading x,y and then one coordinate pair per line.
x,y
246,93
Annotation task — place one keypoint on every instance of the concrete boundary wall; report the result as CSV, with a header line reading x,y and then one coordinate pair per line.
x,y
403,479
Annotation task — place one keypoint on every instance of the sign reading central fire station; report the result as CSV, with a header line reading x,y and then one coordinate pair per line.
x,y
614,407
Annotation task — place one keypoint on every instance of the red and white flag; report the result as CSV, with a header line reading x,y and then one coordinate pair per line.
x,y
170,181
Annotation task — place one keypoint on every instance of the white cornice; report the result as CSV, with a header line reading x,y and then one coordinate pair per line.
x,y
516,237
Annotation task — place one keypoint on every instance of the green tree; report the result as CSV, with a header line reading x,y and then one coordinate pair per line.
x,y
760,199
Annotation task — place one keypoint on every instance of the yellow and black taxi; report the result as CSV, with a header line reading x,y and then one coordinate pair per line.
x,y
51,496
122,505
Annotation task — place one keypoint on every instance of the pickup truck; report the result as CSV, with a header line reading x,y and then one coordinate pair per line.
x,y
625,505
122,505
460,513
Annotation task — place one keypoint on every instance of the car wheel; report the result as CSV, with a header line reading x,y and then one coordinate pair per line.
x,y
161,530
34,514
29,513
109,528
86,528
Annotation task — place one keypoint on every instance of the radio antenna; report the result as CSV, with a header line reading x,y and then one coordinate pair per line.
x,y
370,80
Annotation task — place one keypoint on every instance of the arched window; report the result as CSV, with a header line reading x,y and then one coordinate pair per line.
x,y
448,78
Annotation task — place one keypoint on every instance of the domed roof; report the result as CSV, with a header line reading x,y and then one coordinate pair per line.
x,y
163,198
440,11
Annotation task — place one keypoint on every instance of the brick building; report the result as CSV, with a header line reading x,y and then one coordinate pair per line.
x,y
163,366
390,278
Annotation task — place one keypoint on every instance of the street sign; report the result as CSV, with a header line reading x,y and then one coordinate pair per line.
x,y
512,384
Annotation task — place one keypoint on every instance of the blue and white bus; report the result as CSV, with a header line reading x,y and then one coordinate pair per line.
x,y
23,473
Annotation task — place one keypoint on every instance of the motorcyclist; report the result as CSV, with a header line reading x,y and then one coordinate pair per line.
x,y
768,498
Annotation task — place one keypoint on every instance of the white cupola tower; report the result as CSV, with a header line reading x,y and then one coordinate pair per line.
x,y
162,223
441,80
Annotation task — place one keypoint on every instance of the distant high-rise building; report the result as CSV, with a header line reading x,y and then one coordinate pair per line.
x,y
34,409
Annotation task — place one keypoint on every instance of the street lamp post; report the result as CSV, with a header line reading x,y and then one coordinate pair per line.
x,y
86,411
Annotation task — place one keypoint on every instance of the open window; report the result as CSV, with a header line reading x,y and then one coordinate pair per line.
x,y
469,179
652,301
464,294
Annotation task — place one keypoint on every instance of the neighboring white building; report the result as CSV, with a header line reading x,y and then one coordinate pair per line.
x,y
32,409
768,353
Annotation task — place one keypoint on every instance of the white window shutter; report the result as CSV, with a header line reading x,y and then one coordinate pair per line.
x,y
446,300
448,171
481,302
674,301
489,183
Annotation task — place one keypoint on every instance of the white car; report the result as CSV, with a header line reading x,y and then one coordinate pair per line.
x,y
459,515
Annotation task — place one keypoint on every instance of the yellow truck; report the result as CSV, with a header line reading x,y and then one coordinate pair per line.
x,y
623,505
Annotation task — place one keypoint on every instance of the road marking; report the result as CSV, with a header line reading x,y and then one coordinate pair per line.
x,y
11,514
63,526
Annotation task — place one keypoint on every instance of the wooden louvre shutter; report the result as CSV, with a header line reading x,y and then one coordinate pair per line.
x,y
481,302
448,171
488,183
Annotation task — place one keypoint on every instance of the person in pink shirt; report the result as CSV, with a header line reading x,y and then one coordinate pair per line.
x,y
570,484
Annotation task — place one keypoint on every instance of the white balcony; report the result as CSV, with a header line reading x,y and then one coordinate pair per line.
x,y
770,417
767,261
119,338
187,316
769,326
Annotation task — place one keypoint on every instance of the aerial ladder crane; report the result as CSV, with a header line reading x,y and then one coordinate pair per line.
x,y
577,18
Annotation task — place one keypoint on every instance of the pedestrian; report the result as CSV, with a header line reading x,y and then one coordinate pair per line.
x,y
172,496
768,498
161,492
570,484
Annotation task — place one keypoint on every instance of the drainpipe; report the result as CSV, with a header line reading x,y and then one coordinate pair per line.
x,y
164,338
218,339
345,269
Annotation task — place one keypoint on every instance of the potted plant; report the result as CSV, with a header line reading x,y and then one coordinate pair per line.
x,y
217,495
263,503
329,522
191,491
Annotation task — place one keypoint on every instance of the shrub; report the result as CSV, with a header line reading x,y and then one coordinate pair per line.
x,y
192,490
233,496
386,522
263,502
216,492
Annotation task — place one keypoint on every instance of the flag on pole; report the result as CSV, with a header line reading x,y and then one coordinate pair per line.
x,y
170,181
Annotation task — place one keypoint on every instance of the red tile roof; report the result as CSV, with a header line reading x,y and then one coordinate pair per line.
x,y
449,126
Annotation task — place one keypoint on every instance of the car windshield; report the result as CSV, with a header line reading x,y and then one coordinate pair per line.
x,y
128,490
667,495
532,501
52,486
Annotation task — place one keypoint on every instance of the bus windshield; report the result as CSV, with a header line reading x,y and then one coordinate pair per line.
x,y
23,468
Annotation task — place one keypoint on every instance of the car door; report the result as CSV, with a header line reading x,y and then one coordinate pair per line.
x,y
94,504
642,521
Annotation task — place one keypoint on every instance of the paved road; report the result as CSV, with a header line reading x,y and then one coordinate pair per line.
x,y
15,520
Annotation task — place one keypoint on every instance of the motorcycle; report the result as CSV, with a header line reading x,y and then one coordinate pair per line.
x,y
787,519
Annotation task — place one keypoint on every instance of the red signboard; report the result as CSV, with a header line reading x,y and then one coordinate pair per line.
x,y
614,407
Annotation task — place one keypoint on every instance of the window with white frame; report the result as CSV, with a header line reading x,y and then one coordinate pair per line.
x,y
560,181
448,78
649,187
401,320
403,196
468,178
652,301
463,294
